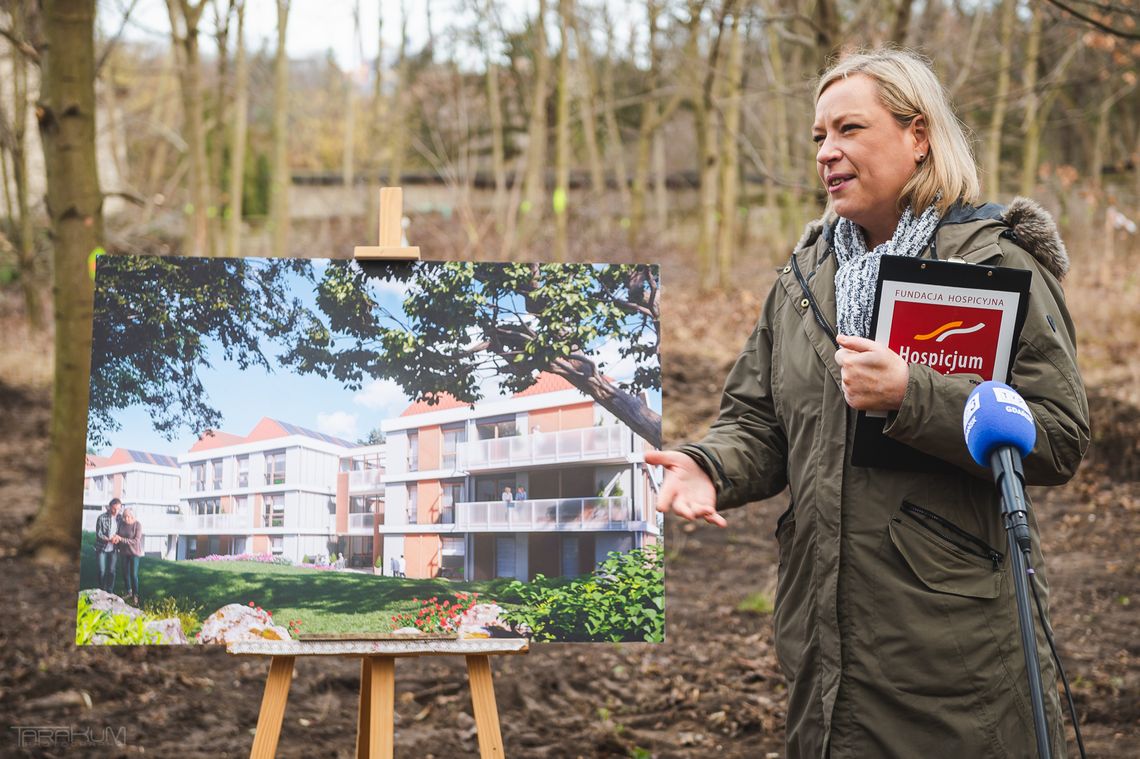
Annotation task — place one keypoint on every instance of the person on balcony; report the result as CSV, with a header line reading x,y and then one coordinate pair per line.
x,y
520,494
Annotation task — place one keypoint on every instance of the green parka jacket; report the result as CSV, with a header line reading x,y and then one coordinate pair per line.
x,y
895,620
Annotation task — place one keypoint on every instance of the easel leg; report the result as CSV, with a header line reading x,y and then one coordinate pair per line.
x,y
272,707
363,717
382,687
483,701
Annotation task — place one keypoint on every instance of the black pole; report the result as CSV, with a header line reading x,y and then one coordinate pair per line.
x,y
1009,477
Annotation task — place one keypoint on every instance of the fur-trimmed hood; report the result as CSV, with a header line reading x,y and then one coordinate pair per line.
x,y
1028,224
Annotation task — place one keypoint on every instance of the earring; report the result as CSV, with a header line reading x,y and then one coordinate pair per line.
x,y
921,157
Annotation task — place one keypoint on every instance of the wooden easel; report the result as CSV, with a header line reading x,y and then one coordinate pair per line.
x,y
375,732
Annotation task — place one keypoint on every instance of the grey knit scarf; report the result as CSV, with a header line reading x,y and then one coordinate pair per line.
x,y
859,268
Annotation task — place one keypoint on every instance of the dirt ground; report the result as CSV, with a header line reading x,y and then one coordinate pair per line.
x,y
712,689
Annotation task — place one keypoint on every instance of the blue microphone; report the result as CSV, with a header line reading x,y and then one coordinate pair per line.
x,y
996,416
1000,432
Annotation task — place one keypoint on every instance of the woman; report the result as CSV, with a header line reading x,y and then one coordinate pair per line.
x,y
130,549
895,641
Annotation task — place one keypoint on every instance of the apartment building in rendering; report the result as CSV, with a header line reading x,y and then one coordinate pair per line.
x,y
281,489
147,482
428,501
585,491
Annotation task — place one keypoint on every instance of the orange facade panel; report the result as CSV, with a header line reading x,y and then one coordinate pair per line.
x,y
423,555
562,418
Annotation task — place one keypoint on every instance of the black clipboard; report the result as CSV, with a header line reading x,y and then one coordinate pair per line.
x,y
964,289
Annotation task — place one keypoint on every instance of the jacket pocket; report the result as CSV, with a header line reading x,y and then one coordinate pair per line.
x,y
938,608
945,557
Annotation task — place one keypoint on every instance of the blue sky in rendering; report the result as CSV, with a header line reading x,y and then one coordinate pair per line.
x,y
244,396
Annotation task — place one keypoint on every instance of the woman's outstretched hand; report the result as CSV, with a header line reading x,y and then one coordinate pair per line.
x,y
687,492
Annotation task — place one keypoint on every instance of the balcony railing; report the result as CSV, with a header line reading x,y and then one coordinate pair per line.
x,y
361,521
232,521
546,513
585,444
366,479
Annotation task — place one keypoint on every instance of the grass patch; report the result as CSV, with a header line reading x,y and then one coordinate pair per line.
x,y
756,603
324,601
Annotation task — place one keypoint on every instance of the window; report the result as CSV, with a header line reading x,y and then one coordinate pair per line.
x,y
276,544
273,511
205,507
505,557
192,547
215,545
216,468
413,507
454,555
243,471
358,505
452,437
123,494
491,488
452,494
198,477
570,555
241,502
413,452
275,468
489,429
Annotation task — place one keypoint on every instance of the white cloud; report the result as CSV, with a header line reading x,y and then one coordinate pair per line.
x,y
385,396
339,424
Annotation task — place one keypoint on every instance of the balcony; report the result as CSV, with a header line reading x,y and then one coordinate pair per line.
x,y
567,446
361,521
237,521
366,481
546,514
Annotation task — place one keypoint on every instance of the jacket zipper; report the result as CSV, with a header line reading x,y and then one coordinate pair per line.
x,y
811,301
975,546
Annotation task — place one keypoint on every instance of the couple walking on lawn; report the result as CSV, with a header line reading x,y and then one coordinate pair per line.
x,y
119,541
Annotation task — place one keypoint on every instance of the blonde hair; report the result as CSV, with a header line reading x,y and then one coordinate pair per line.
x,y
908,88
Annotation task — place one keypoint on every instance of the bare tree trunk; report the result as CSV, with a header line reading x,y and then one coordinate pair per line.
x,y
218,126
281,180
348,158
184,18
587,100
902,21
67,128
498,152
729,167
25,229
708,151
1001,96
376,131
1031,127
534,181
652,115
562,134
397,118
615,148
1100,140
660,182
238,136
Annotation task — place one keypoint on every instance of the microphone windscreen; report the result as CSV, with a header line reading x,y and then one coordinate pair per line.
x,y
995,416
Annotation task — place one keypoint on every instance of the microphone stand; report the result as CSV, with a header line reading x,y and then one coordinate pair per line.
x,y
1010,479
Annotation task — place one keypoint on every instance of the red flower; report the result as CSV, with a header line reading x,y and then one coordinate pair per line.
x,y
251,603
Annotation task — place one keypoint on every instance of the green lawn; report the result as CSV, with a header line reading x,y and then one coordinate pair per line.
x,y
324,601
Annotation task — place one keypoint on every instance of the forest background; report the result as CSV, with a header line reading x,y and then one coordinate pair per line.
x,y
564,130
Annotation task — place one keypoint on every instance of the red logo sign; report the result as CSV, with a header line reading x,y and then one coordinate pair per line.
x,y
949,339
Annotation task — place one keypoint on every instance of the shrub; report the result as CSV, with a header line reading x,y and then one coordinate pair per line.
x,y
622,600
111,629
